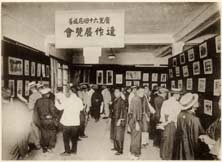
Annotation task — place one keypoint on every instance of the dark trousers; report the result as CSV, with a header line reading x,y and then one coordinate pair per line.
x,y
70,133
118,145
82,124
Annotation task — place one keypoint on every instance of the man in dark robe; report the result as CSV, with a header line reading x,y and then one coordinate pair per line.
x,y
46,112
118,120
135,111
97,99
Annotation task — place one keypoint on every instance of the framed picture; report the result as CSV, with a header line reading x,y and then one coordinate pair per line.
x,y
185,71
11,86
99,77
19,87
128,83
119,79
191,56
109,77
201,84
133,75
39,69
136,83
146,84
171,73
217,44
154,84
173,84
47,71
208,66
154,77
174,61
196,68
145,77
208,107
163,78
15,66
86,75
26,67
217,87
180,84
163,85
43,71
203,50
182,59
189,84
26,88
33,69
177,69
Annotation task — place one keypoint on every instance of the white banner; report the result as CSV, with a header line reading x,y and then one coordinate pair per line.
x,y
94,28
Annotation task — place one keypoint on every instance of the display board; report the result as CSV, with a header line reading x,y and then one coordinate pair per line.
x,y
198,70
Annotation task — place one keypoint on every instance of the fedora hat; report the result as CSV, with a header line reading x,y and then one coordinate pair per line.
x,y
45,90
31,84
188,100
176,90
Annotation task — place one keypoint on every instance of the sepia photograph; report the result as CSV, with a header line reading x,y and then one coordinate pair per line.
x,y
33,67
154,77
177,69
173,84
171,73
189,84
201,84
15,66
218,44
145,77
163,77
203,50
191,56
185,71
217,87
208,66
128,83
119,79
196,68
182,59
99,77
19,87
26,88
208,107
180,84
109,77
133,75
26,64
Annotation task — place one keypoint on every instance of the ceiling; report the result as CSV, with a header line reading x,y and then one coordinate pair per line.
x,y
140,18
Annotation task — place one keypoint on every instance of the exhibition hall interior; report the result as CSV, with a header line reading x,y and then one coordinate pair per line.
x,y
111,80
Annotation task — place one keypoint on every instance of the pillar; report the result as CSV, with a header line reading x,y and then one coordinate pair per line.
x,y
91,55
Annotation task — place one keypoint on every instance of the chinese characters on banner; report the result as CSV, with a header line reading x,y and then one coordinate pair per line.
x,y
102,28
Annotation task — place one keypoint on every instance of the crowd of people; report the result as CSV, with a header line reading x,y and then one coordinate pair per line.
x,y
166,117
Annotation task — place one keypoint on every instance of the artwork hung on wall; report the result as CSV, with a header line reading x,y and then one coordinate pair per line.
x,y
109,77
189,84
185,71
133,75
32,69
136,83
191,56
11,86
26,88
145,77
128,83
177,71
208,66
154,77
119,79
47,71
163,85
15,66
217,87
26,67
173,85
208,107
146,84
217,44
174,62
86,75
196,68
19,87
201,84
163,78
180,84
203,50
171,73
43,71
154,84
99,77
39,69
182,59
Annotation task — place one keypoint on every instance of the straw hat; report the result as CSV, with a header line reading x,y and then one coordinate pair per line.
x,y
39,85
31,84
176,90
163,90
45,90
188,100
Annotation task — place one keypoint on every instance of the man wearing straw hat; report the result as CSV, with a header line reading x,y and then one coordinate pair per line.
x,y
188,129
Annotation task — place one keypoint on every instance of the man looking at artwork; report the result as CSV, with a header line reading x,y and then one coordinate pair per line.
x,y
106,100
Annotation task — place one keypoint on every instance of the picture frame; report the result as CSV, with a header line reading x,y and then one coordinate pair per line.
x,y
174,61
119,79
208,66
86,75
196,68
26,88
182,59
163,85
185,71
203,50
15,66
11,86
19,87
43,71
136,83
133,75
33,73
189,84
201,84
145,77
99,77
109,77
26,63
154,77
218,44
217,87
163,77
208,107
171,73
39,69
47,71
180,84
173,84
191,56
177,69
128,83
154,84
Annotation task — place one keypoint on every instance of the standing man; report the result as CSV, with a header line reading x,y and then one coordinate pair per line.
x,y
118,117
106,100
135,124
97,100
72,106
90,93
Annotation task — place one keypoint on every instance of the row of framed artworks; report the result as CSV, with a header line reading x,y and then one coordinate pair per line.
x,y
207,66
19,86
203,53
109,77
15,67
201,85
138,83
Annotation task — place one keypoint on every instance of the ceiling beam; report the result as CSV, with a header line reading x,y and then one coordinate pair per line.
x,y
200,39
